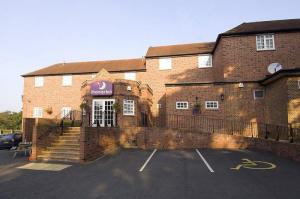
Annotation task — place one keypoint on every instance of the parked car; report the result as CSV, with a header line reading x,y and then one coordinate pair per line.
x,y
8,141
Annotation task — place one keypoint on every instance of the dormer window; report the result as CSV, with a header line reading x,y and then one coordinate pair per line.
x,y
265,42
204,61
165,63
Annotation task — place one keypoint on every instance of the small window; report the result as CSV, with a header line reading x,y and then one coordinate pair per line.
x,y
37,112
130,75
258,94
65,112
213,105
265,42
67,80
204,61
39,81
128,107
182,105
165,63
298,84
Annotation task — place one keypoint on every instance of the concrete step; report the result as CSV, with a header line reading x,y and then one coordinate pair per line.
x,y
72,129
62,142
72,133
58,158
63,149
69,153
69,137
71,145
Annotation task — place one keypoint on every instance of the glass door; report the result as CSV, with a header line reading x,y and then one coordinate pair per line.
x,y
103,113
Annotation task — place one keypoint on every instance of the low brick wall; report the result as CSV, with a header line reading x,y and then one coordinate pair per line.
x,y
94,142
160,138
98,141
44,133
27,128
91,141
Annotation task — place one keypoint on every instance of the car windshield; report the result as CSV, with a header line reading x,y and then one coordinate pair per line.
x,y
6,137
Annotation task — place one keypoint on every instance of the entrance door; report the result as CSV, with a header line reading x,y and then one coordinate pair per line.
x,y
103,113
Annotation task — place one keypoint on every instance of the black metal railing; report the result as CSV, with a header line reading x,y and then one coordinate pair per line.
x,y
234,127
72,119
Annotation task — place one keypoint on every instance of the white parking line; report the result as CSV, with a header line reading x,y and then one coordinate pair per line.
x,y
145,164
205,162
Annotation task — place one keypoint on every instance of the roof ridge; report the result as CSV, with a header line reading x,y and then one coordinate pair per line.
x,y
109,60
211,42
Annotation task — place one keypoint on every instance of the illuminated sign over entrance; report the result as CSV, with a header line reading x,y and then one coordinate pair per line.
x,y
101,88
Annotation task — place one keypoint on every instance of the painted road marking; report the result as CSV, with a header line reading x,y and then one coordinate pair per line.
x,y
205,162
255,164
149,158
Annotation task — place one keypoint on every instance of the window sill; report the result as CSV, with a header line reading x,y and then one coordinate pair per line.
x,y
204,67
259,50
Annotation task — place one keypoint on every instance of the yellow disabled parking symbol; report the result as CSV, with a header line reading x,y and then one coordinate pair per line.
x,y
249,164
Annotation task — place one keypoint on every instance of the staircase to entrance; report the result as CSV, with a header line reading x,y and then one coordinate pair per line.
x,y
65,148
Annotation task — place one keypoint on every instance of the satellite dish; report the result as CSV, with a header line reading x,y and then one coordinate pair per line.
x,y
274,67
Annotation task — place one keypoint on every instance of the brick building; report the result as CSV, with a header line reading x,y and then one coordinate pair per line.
x,y
249,73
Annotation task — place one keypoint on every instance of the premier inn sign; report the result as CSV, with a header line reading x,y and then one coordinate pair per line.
x,y
101,88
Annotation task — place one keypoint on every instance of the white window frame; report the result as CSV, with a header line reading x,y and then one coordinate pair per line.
x,y
182,105
38,81
165,63
256,91
37,112
209,62
126,111
65,112
209,107
130,76
67,80
262,40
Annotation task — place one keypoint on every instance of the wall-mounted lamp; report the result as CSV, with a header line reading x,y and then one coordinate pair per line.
x,y
222,96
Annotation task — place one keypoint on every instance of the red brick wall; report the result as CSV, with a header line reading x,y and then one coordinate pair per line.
x,y
293,95
236,58
276,102
45,131
238,103
176,139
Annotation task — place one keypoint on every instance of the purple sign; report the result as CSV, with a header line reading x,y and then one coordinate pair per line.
x,y
101,88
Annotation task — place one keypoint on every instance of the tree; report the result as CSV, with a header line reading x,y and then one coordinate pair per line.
x,y
10,120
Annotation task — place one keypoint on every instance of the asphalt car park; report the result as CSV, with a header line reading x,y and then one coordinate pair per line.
x,y
202,173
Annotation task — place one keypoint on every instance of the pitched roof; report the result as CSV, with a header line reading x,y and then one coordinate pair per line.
x,y
265,26
91,67
181,49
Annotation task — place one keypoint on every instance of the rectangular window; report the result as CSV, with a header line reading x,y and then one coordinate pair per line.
x,y
265,42
298,84
37,112
213,105
39,81
67,80
204,61
65,112
128,107
130,75
165,63
182,105
258,94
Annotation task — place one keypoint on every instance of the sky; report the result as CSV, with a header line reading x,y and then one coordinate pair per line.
x,y
39,33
